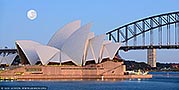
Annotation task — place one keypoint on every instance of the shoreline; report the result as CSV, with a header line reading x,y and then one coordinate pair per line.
x,y
72,78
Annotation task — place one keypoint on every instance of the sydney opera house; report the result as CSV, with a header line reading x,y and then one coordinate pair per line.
x,y
73,52
72,44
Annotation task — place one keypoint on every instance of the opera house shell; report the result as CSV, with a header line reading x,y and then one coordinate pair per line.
x,y
7,59
71,44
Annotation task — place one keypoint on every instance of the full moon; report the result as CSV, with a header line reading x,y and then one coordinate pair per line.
x,y
31,14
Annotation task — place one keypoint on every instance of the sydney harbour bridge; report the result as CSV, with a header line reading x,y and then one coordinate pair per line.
x,y
158,32
151,33
155,32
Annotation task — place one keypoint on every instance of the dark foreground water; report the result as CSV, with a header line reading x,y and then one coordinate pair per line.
x,y
160,81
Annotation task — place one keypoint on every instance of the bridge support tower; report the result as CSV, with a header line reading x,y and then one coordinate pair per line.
x,y
151,57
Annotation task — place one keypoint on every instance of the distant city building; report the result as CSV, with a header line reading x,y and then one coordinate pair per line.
x,y
151,57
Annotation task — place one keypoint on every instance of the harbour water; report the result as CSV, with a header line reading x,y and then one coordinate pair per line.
x,y
160,81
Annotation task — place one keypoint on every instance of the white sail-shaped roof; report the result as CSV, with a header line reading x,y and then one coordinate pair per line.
x,y
106,42
1,57
60,57
46,53
87,49
104,52
50,54
4,61
70,43
55,58
74,46
95,46
90,35
8,59
28,48
65,58
63,34
90,53
112,49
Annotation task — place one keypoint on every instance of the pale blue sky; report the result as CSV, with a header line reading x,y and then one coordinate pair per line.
x,y
104,14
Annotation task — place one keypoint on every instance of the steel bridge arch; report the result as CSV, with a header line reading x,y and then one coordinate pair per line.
x,y
140,27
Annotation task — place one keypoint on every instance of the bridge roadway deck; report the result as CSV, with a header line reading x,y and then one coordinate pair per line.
x,y
126,48
8,50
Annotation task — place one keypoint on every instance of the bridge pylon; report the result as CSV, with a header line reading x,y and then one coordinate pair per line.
x,y
151,57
